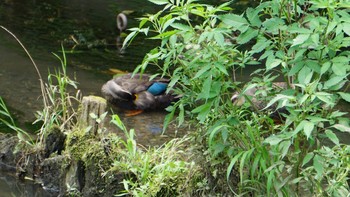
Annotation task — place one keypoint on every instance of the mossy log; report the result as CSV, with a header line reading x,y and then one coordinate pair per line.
x,y
92,111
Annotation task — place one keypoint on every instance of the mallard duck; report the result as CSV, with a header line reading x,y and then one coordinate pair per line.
x,y
138,93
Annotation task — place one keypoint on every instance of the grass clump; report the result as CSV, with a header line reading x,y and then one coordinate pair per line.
x,y
168,170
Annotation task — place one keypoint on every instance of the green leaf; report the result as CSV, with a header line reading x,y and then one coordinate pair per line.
x,y
261,44
325,97
247,36
205,93
272,25
308,128
345,96
342,128
272,62
339,68
307,158
221,68
318,165
333,81
181,26
202,71
230,167
253,17
168,117
159,2
346,28
233,20
325,67
219,38
116,120
300,39
213,134
305,75
273,140
332,137
129,38
203,111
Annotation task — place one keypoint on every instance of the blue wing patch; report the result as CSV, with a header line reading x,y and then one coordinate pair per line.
x,y
157,88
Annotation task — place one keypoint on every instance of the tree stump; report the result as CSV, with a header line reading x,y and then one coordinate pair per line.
x,y
92,113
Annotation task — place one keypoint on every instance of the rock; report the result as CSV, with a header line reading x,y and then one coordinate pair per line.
x,y
8,158
54,142
52,171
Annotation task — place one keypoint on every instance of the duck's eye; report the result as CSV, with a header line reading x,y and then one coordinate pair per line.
x,y
135,96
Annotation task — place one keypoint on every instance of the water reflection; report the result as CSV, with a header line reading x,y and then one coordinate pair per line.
x,y
12,187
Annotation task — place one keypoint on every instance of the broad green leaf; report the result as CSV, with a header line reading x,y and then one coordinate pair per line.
x,y
300,39
219,38
325,97
272,62
253,17
342,128
247,36
339,68
346,28
261,44
296,68
332,137
325,67
304,75
345,96
308,128
334,81
272,25
233,20
181,26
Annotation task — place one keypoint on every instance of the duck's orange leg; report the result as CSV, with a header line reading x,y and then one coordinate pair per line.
x,y
135,112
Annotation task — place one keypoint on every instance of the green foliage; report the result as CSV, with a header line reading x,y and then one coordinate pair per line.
x,y
60,105
6,118
304,42
157,171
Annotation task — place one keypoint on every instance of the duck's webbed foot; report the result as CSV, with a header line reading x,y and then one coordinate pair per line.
x,y
135,112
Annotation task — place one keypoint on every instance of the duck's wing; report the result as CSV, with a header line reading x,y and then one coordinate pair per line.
x,y
112,90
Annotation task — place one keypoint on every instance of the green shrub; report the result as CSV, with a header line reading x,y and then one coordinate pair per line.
x,y
304,42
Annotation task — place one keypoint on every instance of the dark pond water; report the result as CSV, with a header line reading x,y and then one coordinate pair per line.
x,y
43,25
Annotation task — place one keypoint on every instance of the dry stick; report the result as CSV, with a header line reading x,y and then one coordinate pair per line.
x,y
42,86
